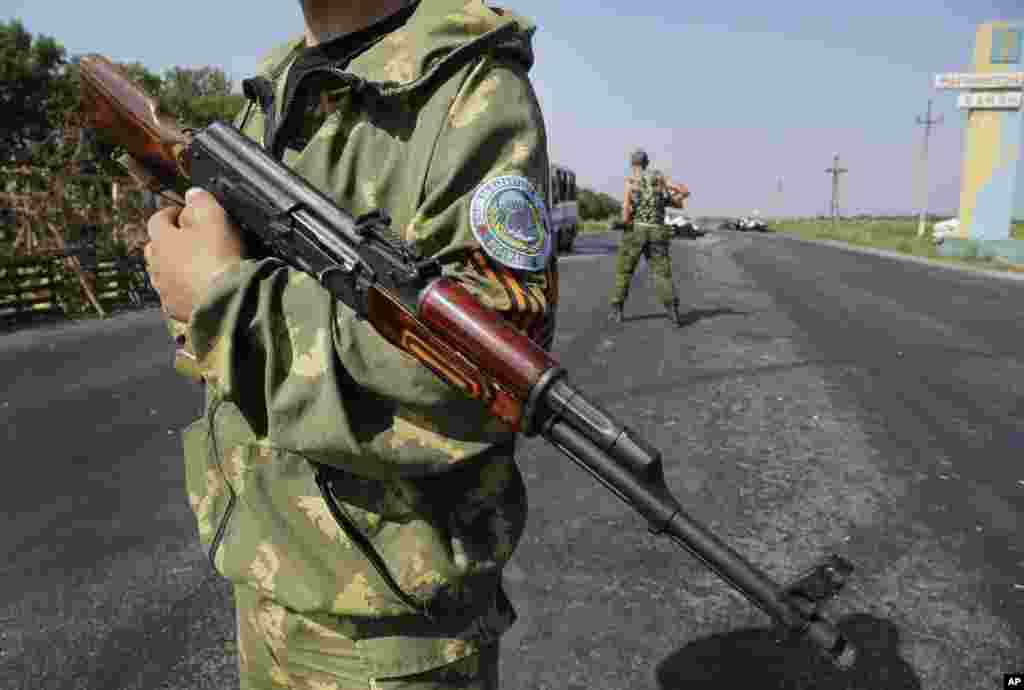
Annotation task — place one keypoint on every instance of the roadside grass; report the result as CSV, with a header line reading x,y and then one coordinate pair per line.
x,y
897,235
596,225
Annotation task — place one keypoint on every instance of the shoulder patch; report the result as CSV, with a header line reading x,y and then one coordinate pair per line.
x,y
510,220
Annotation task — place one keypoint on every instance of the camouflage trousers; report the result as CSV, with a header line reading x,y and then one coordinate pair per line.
x,y
280,649
651,242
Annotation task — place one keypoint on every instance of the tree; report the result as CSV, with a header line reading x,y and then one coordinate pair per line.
x,y
223,107
56,174
152,83
198,96
597,205
29,69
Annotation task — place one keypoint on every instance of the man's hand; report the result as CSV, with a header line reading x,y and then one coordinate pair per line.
x,y
679,193
188,248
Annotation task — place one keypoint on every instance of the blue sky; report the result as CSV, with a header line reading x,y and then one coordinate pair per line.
x,y
724,97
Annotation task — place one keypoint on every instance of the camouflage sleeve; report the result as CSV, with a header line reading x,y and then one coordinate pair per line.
x,y
627,204
308,376
494,128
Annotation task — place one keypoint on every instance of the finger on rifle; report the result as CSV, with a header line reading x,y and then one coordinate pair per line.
x,y
200,207
162,219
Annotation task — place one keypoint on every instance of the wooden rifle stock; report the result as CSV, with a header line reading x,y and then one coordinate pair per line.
x,y
122,111
124,114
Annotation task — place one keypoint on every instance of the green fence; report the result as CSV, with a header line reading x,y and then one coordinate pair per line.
x,y
34,287
49,287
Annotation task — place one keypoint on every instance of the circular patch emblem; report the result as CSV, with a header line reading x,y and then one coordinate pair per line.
x,y
511,222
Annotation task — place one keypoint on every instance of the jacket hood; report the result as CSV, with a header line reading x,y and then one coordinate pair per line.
x,y
437,31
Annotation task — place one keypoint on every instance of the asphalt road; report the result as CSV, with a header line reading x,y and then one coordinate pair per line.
x,y
817,401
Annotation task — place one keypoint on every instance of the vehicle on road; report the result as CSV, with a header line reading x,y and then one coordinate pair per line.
x,y
563,207
682,225
751,223
945,229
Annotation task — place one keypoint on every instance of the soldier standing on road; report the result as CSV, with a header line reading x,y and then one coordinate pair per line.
x,y
363,509
645,233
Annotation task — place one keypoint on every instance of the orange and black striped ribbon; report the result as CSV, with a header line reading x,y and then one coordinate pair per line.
x,y
533,309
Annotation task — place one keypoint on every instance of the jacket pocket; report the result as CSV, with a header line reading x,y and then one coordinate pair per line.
x,y
345,523
211,497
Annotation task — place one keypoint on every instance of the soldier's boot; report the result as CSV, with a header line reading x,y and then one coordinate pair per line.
x,y
674,317
615,315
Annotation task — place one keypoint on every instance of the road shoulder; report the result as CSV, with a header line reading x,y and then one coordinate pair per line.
x,y
1005,275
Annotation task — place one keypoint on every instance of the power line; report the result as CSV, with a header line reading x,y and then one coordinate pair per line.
x,y
928,123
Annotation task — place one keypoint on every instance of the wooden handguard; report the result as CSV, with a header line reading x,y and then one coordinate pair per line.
x,y
505,365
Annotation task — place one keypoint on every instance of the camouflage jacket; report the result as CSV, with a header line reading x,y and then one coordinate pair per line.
x,y
647,196
294,381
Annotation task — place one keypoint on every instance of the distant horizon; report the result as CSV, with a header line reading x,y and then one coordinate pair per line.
x,y
724,99
932,216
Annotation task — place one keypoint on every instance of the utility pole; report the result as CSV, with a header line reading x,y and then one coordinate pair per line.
x,y
928,123
778,189
835,171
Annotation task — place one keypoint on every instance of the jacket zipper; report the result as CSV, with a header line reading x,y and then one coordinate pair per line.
x,y
353,532
323,483
222,528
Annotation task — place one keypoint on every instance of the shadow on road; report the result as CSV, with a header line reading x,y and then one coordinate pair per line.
x,y
603,247
752,658
690,317
689,235
594,247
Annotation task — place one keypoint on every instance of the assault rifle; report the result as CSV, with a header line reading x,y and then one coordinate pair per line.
x,y
437,321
